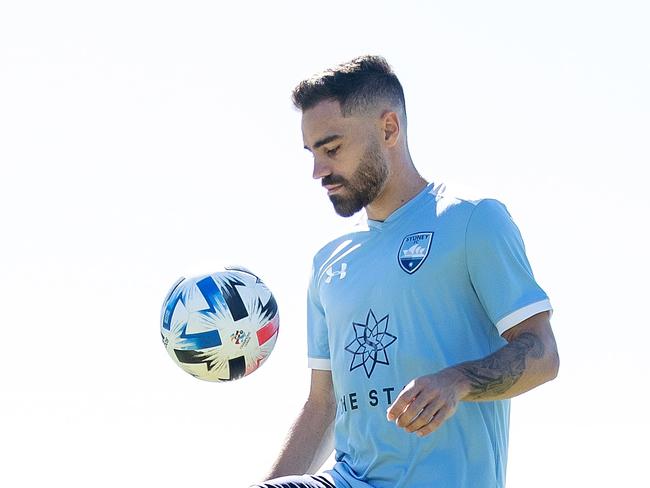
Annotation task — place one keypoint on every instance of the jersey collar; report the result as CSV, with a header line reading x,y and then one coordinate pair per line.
x,y
429,190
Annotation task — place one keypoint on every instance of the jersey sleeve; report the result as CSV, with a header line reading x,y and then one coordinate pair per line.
x,y
499,269
318,349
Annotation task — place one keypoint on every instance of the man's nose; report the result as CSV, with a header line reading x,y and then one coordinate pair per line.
x,y
321,169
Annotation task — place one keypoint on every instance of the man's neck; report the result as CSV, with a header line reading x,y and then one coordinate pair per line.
x,y
398,191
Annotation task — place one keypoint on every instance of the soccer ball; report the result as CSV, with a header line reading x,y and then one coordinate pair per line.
x,y
221,326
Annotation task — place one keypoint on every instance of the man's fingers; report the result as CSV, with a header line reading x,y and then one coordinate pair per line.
x,y
424,417
426,399
424,404
436,421
403,400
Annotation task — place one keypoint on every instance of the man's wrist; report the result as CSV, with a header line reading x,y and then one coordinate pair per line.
x,y
460,381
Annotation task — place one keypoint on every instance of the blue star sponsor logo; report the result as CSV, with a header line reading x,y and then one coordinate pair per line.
x,y
369,346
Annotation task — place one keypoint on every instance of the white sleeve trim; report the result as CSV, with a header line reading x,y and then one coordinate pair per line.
x,y
522,314
317,363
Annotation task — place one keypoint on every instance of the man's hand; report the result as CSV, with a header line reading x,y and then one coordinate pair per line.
x,y
426,402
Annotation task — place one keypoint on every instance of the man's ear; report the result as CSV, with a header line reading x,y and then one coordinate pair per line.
x,y
390,128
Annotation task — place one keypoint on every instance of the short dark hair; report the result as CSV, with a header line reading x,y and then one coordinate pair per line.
x,y
357,85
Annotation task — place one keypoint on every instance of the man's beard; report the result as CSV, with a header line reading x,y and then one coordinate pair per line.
x,y
364,185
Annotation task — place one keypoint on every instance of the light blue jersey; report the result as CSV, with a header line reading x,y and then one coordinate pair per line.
x,y
433,285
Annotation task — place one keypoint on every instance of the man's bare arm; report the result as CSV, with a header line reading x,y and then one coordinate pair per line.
x,y
309,442
529,359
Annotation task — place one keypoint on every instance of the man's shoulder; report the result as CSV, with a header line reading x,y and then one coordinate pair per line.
x,y
448,204
458,216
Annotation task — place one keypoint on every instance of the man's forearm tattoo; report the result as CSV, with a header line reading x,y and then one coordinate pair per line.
x,y
497,373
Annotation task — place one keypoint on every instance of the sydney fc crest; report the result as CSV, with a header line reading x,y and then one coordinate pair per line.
x,y
414,250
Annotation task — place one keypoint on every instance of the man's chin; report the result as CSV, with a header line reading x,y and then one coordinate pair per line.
x,y
344,208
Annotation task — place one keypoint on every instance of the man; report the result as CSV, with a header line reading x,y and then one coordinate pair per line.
x,y
422,325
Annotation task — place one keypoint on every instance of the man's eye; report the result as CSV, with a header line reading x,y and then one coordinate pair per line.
x,y
332,152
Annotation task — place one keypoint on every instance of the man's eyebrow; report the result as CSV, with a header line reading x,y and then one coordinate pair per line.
x,y
324,140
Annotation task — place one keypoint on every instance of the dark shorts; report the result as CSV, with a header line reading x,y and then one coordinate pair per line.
x,y
306,481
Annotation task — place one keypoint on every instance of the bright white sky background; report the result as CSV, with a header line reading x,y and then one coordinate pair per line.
x,y
145,140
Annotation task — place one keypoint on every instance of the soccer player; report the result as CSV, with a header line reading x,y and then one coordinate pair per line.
x,y
422,324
